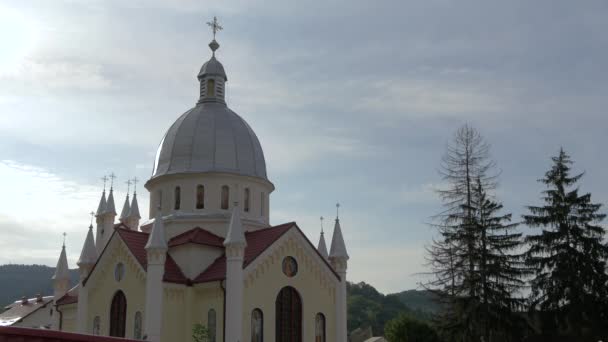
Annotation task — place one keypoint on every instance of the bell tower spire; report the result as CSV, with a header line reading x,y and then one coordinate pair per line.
x,y
212,76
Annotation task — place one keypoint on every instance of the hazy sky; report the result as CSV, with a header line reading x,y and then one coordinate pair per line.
x,y
353,101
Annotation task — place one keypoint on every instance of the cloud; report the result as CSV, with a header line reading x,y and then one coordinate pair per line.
x,y
39,207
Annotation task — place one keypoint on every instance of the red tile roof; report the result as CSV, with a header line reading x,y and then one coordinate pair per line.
x,y
197,236
257,242
136,242
11,334
67,299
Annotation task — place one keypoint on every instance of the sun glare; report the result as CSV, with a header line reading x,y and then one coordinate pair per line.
x,y
18,37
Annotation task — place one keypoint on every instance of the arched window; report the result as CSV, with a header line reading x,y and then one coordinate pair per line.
x,y
210,87
288,315
257,326
96,325
262,204
137,326
118,315
212,325
200,197
160,199
178,197
225,196
320,328
246,206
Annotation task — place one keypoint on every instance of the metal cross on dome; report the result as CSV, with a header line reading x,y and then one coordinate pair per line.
x,y
215,26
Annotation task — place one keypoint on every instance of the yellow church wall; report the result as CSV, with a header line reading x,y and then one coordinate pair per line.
x,y
68,317
209,296
103,286
315,283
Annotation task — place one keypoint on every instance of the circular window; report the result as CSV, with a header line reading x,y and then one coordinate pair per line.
x,y
290,266
119,271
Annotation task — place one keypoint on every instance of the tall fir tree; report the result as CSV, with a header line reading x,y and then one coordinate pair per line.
x,y
500,271
474,272
570,284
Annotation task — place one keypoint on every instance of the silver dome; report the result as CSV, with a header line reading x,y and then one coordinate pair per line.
x,y
210,138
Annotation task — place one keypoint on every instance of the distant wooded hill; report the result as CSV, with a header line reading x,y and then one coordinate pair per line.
x,y
17,281
369,308
366,306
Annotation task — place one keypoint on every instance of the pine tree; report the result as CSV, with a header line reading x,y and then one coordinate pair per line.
x,y
500,270
474,273
569,257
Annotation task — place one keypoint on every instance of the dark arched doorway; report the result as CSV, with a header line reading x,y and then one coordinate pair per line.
x,y
118,315
288,316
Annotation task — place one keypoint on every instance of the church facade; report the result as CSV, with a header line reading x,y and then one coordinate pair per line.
x,y
208,254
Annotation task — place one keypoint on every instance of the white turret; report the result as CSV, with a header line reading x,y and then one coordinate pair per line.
x,y
126,208
61,280
134,216
101,208
338,257
235,244
87,260
108,218
156,252
322,247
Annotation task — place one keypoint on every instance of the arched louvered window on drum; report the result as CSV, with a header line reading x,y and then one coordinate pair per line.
x,y
210,87
178,198
118,315
257,326
225,197
288,315
200,197
247,199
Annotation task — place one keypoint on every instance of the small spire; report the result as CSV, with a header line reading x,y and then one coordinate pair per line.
x,y
134,211
157,238
236,235
92,213
62,271
322,248
126,208
101,208
338,247
337,211
88,255
110,207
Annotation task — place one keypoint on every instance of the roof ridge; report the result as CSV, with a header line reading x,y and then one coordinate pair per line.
x,y
282,225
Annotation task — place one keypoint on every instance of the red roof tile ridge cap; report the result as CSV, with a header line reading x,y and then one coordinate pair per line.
x,y
282,225
193,231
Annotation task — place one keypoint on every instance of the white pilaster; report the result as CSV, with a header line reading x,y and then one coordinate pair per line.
x,y
156,251
235,244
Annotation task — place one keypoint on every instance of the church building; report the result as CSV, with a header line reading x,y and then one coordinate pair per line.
x,y
207,254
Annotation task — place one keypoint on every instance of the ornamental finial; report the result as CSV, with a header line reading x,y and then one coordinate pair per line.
x,y
337,211
215,27
135,180
322,218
